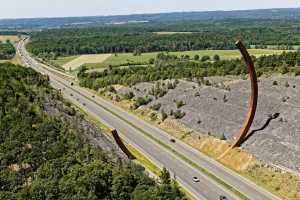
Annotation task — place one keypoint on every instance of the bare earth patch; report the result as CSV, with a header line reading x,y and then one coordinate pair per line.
x,y
11,38
85,59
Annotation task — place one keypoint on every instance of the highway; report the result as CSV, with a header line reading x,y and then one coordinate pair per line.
x,y
136,132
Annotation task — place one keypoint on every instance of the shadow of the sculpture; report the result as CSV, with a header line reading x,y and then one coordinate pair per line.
x,y
266,124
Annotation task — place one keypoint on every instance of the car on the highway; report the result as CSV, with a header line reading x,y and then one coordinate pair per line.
x,y
222,197
172,140
196,179
93,96
83,104
72,83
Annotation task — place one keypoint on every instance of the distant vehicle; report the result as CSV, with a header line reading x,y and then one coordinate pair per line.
x,y
93,96
222,198
71,94
83,104
72,83
196,179
172,140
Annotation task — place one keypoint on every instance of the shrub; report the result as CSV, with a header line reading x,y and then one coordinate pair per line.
x,y
171,85
297,71
197,94
207,82
216,57
205,58
156,106
111,89
179,104
151,61
222,137
140,101
129,95
164,115
153,116
179,114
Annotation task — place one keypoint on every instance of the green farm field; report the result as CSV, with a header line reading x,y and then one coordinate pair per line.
x,y
63,60
126,59
11,38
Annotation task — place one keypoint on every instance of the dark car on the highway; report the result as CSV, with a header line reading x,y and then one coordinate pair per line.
x,y
222,198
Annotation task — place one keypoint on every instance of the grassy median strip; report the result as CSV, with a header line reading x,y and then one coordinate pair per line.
x,y
143,160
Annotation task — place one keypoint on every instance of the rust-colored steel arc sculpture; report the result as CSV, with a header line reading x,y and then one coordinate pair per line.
x,y
120,143
254,95
253,99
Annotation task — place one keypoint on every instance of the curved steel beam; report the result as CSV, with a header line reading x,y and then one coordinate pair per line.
x,y
254,95
120,143
253,99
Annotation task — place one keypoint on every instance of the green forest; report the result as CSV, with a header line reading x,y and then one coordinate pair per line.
x,y
139,38
45,157
7,50
172,67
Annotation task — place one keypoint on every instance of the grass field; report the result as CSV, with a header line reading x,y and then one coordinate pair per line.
x,y
126,58
84,59
12,38
63,60
99,61
4,61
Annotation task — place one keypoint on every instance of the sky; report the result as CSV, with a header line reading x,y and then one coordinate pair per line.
x,y
62,8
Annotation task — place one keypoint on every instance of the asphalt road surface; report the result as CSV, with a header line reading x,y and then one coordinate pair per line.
x,y
135,131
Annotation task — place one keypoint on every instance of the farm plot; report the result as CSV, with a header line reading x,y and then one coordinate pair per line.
x,y
126,59
11,38
85,59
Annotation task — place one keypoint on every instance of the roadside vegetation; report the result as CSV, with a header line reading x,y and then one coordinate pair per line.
x,y
47,157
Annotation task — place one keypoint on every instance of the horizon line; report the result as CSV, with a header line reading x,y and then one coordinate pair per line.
x,y
145,13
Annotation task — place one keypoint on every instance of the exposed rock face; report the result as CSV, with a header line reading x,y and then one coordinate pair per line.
x,y
95,136
221,108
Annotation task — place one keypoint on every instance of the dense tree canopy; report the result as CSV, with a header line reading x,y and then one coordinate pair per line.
x,y
7,50
142,37
171,67
45,157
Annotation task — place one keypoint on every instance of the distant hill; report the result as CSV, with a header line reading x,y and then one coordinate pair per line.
x,y
40,23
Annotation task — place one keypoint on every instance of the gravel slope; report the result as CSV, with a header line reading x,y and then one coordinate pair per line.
x,y
218,110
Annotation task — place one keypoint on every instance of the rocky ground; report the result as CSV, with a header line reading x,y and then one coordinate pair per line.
x,y
219,109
